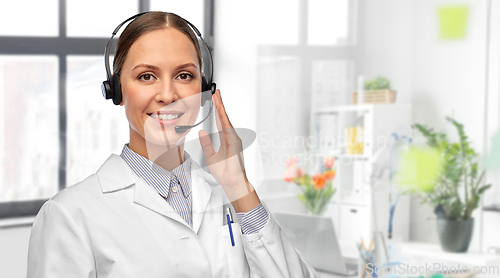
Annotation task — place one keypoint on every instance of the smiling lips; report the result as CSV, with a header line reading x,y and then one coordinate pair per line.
x,y
166,117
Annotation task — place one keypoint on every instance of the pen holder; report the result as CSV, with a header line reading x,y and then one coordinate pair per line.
x,y
394,250
393,247
367,265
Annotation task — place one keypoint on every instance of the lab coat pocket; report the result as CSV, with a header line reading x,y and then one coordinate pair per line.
x,y
235,258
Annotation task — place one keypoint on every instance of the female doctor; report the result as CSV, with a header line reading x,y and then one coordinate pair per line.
x,y
152,211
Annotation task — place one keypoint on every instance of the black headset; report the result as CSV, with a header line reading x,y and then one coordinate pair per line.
x,y
112,89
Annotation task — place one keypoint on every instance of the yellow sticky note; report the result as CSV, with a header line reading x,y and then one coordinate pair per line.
x,y
453,22
419,169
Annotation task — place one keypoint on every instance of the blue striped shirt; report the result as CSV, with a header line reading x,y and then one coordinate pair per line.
x,y
175,187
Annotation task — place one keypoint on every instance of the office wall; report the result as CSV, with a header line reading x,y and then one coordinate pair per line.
x,y
449,77
14,251
441,78
235,64
386,43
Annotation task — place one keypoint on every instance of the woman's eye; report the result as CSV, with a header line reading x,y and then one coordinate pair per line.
x,y
184,76
146,77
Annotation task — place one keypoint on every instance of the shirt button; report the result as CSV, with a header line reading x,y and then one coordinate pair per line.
x,y
175,189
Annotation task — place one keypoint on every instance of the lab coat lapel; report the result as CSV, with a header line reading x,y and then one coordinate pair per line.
x,y
115,175
147,197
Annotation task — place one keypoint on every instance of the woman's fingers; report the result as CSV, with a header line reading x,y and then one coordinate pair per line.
x,y
230,141
218,123
228,128
206,144
224,118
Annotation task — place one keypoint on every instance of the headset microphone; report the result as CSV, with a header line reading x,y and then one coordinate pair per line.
x,y
184,128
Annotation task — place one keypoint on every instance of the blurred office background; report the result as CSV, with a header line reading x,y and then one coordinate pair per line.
x,y
277,63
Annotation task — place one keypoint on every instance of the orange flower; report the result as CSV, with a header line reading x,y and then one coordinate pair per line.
x,y
289,175
328,161
299,173
329,175
288,179
318,181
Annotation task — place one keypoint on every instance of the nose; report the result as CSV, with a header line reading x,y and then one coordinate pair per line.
x,y
166,92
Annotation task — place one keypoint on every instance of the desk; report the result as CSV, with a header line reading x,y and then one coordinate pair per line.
x,y
331,275
417,254
433,252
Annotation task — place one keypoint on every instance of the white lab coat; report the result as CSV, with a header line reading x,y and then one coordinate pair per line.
x,y
113,224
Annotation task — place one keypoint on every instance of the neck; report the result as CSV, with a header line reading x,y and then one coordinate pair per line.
x,y
166,156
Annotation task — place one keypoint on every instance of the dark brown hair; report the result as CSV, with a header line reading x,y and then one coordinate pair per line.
x,y
146,23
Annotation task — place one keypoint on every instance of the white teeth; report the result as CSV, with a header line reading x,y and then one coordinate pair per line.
x,y
165,116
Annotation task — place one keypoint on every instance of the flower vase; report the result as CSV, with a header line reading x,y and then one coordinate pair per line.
x,y
316,201
316,190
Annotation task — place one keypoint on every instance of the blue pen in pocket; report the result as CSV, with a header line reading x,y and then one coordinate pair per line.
x,y
229,221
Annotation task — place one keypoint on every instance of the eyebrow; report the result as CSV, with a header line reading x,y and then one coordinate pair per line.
x,y
189,64
186,65
146,66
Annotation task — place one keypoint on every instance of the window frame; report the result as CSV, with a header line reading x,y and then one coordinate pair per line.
x,y
347,52
62,47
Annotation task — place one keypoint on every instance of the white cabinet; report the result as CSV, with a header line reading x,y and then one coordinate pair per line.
x,y
351,207
353,218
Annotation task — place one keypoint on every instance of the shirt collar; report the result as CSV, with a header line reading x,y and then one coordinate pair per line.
x,y
155,175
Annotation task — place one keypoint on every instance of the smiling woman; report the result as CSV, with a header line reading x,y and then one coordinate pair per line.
x,y
161,85
152,211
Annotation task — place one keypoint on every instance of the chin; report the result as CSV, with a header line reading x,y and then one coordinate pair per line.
x,y
167,138
164,135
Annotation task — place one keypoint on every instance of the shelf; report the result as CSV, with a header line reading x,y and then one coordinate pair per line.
x,y
356,108
354,156
358,204
426,252
345,108
331,126
336,153
495,208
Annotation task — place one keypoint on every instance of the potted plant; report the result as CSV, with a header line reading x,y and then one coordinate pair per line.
x,y
316,190
376,90
457,189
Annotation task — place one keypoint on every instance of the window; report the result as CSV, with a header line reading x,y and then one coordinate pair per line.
x,y
55,127
29,124
306,60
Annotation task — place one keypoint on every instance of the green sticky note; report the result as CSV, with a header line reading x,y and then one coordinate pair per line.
x,y
493,157
419,169
453,22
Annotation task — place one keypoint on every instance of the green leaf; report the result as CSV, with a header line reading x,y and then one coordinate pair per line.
x,y
482,189
378,83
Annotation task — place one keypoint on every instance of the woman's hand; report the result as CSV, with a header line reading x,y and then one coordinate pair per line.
x,y
227,165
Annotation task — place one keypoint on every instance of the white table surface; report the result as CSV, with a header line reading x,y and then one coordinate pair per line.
x,y
331,275
419,253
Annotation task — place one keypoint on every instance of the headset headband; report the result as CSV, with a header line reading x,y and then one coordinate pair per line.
x,y
207,50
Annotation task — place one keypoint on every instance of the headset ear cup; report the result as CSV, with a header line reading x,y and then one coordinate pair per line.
x,y
213,87
117,88
204,84
208,93
107,91
204,88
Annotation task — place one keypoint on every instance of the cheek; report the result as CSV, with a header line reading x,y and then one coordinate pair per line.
x,y
134,103
193,103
